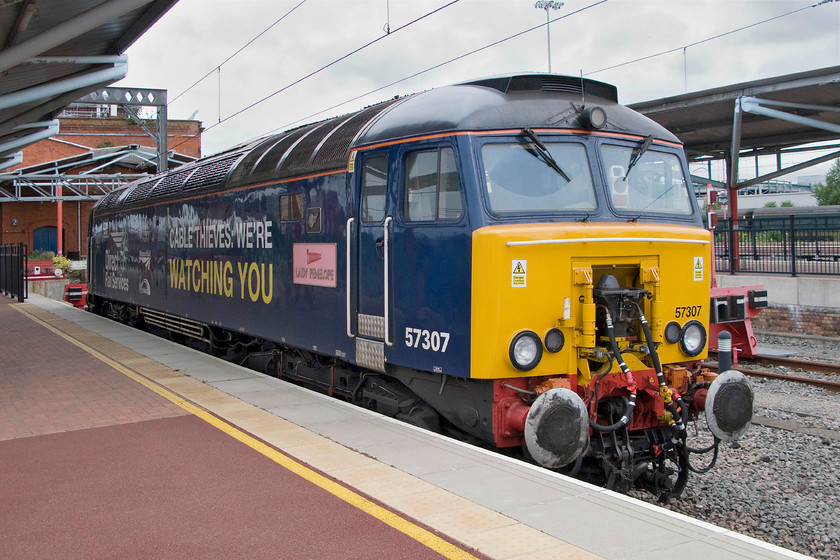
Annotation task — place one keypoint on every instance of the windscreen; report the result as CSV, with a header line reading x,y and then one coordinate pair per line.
x,y
647,182
520,178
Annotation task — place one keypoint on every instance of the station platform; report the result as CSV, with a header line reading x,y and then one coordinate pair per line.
x,y
115,443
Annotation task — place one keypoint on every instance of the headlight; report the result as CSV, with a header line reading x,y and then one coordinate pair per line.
x,y
593,118
693,338
525,350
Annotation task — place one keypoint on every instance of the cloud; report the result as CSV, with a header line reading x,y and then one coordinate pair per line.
x,y
197,35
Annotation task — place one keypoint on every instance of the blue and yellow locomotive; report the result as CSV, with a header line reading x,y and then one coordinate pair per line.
x,y
518,261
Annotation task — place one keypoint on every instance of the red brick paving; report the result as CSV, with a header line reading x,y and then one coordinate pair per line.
x,y
48,385
94,465
173,488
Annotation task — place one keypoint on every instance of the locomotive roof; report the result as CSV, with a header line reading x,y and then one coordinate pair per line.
x,y
503,102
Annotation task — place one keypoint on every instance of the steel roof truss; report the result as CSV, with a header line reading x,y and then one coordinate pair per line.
x,y
51,89
29,133
756,106
140,97
118,159
787,170
10,160
44,188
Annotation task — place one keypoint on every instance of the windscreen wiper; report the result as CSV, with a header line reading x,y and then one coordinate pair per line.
x,y
637,155
541,151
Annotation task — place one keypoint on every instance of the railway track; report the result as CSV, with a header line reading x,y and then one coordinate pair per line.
x,y
778,483
793,364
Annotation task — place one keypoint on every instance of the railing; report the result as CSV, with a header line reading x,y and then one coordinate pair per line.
x,y
789,245
13,263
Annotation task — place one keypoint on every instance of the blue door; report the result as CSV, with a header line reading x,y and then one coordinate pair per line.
x,y
45,239
432,264
373,329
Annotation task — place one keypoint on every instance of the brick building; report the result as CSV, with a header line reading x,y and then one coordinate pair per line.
x,y
90,138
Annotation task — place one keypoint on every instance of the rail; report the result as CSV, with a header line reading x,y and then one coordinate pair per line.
x,y
13,264
829,369
789,245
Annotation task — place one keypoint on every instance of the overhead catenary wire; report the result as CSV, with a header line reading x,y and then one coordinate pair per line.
x,y
706,40
328,65
493,44
218,67
462,56
435,67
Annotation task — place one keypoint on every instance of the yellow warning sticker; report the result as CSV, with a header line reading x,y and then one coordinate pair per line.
x,y
519,274
698,268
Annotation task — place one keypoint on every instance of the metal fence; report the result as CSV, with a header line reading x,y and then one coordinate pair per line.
x,y
788,245
13,265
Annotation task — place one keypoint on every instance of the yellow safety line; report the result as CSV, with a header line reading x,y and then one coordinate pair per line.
x,y
414,531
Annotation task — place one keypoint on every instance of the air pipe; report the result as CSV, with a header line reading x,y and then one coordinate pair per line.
x,y
664,390
628,375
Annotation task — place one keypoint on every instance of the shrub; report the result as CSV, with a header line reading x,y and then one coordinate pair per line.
x,y
41,255
61,262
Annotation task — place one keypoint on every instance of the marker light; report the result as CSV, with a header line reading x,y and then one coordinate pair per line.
x,y
554,340
672,332
693,338
525,351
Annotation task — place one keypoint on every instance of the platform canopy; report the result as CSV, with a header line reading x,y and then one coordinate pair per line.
x,y
83,177
774,116
53,52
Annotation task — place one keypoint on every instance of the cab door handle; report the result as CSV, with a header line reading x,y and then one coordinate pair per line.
x,y
386,279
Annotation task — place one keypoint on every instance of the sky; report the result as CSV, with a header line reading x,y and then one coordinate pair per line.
x,y
596,38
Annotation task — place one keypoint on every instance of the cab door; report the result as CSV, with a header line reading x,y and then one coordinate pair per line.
x,y
372,282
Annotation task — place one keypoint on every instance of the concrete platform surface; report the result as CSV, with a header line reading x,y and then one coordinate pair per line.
x,y
483,502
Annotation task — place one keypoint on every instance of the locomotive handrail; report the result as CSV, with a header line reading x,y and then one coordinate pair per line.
x,y
349,277
386,290
607,240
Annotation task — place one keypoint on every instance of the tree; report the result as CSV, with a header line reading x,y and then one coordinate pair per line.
x,y
829,193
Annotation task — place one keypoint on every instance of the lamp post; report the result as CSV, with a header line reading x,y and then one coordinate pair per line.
x,y
548,5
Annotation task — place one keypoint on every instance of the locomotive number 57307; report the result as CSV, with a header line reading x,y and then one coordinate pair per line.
x,y
427,340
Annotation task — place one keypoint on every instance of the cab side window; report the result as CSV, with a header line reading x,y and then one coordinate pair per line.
x,y
374,189
432,188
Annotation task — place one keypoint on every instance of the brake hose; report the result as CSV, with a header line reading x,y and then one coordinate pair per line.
x,y
628,375
664,390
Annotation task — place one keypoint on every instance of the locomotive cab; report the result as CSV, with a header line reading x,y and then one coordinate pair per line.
x,y
602,281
